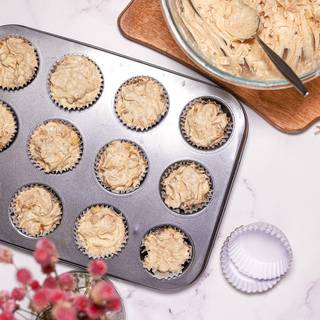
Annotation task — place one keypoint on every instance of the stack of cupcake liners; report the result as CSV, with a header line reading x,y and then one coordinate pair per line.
x,y
254,258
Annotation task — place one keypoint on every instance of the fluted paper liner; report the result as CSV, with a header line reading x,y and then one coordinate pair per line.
x,y
227,131
142,178
14,135
240,281
165,96
35,72
12,210
168,275
195,208
83,249
38,165
251,266
74,108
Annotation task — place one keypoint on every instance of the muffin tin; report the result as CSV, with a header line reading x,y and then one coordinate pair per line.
x,y
163,145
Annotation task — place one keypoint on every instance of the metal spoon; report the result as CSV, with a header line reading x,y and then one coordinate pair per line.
x,y
282,66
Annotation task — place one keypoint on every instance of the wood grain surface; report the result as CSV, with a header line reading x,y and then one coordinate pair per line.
x,y
142,21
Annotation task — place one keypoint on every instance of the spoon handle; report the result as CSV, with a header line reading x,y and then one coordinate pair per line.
x,y
284,68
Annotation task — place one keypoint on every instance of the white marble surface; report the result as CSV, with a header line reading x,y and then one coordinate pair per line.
x,y
278,182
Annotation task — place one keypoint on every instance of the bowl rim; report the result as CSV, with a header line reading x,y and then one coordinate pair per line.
x,y
212,70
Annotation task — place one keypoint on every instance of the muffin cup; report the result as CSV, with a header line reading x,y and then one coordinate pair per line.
x,y
84,250
227,131
35,70
75,108
37,165
252,266
14,135
98,158
167,275
195,208
135,80
240,281
12,213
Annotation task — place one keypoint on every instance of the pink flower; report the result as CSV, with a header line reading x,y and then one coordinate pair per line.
x,y
64,311
66,281
9,306
6,316
94,311
46,253
18,294
56,295
4,296
40,300
50,283
81,303
24,276
35,285
97,268
6,255
114,304
102,292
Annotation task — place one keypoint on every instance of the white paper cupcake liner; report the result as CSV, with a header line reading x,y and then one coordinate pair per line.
x,y
167,275
84,250
35,71
260,251
161,116
38,165
78,107
240,281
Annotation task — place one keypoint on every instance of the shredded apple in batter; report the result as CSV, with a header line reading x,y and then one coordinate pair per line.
x,y
205,124
101,231
18,62
7,126
186,187
121,166
55,146
76,82
167,251
221,32
37,211
141,103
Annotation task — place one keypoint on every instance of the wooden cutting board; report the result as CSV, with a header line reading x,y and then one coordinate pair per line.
x,y
142,21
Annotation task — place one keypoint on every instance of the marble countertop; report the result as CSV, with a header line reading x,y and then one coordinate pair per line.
x,y
278,182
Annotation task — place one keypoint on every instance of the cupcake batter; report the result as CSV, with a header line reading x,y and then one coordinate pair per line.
x,y
36,211
18,62
167,251
186,187
290,27
121,166
141,103
101,231
7,126
55,146
205,124
75,83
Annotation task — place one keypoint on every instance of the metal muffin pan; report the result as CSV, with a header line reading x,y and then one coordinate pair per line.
x,y
98,125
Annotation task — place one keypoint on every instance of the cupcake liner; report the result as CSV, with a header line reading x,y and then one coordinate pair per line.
x,y
240,281
57,103
167,275
35,70
195,208
260,251
97,160
132,81
37,165
14,135
228,130
84,250
12,214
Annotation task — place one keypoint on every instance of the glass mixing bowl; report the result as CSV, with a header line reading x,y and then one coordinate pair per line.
x,y
187,44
